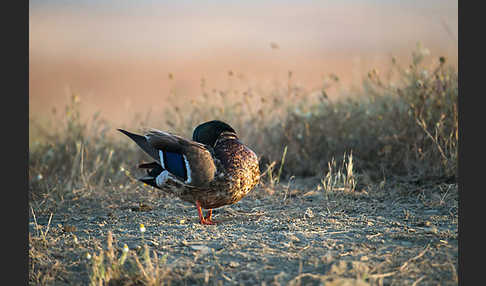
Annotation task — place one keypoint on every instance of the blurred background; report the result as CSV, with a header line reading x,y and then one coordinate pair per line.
x,y
126,57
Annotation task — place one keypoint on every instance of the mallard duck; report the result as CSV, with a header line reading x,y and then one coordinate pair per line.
x,y
212,170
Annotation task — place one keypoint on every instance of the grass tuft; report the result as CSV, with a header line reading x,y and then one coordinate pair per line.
x,y
340,178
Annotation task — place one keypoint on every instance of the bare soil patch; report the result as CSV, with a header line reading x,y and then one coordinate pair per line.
x,y
395,233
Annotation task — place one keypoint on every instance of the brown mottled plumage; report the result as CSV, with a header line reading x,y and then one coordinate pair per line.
x,y
212,170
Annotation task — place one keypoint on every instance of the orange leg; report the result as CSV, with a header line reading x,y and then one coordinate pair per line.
x,y
202,219
208,216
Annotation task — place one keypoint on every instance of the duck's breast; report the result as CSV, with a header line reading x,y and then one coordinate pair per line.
x,y
240,165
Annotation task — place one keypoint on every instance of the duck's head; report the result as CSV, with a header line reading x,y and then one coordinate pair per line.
x,y
208,132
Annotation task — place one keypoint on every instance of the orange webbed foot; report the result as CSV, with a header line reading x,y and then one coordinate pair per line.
x,y
207,222
207,219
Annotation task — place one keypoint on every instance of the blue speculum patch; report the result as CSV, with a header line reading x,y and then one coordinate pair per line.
x,y
174,163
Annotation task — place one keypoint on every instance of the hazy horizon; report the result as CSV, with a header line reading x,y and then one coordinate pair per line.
x,y
117,55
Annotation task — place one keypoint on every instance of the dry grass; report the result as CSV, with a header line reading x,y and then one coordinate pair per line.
x,y
358,191
393,233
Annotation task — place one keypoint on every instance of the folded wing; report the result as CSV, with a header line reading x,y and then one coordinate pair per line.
x,y
176,157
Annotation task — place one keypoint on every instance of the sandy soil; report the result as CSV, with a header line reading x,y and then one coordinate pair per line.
x,y
395,233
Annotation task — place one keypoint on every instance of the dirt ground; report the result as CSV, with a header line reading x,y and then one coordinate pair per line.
x,y
393,233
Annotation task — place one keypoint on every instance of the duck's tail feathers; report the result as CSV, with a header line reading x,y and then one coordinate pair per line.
x,y
153,170
142,143
149,165
149,180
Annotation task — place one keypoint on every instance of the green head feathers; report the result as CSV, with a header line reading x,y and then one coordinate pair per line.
x,y
208,132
